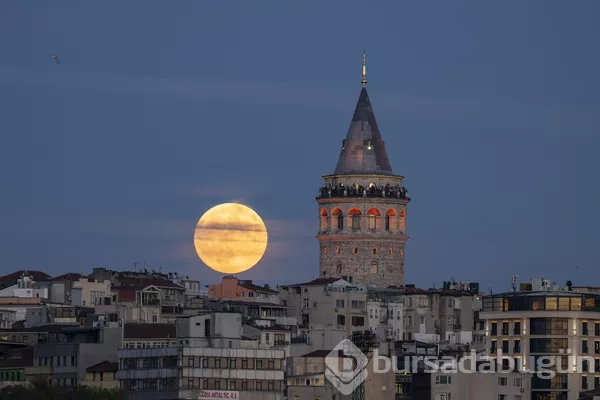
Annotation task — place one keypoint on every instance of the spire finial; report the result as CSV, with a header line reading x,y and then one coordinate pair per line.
x,y
364,69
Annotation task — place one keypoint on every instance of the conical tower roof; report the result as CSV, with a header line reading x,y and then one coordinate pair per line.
x,y
363,150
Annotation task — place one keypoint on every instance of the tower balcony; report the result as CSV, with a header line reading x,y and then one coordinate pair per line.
x,y
332,192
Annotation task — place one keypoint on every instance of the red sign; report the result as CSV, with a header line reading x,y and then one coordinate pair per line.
x,y
218,394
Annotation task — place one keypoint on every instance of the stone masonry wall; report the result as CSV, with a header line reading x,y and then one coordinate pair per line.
x,y
356,258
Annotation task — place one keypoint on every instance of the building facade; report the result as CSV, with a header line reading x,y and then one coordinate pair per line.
x,y
362,208
546,321
212,358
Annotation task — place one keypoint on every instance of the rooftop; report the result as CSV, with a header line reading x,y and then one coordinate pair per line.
x,y
363,151
36,275
104,366
150,331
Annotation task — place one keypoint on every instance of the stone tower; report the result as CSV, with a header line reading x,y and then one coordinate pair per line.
x,y
362,207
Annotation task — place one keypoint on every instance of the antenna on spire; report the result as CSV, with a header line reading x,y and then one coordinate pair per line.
x,y
364,69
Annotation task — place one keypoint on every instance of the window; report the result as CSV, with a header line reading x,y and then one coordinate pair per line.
x,y
494,329
517,330
502,381
502,397
494,347
258,385
371,221
517,346
505,346
505,328
355,222
518,382
443,379
387,222
339,304
244,363
374,268
341,320
271,364
355,250
358,321
340,222
584,329
244,385
259,364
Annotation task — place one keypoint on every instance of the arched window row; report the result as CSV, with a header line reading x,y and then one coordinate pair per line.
x,y
373,220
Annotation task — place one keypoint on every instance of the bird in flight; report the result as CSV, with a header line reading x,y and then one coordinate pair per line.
x,y
56,58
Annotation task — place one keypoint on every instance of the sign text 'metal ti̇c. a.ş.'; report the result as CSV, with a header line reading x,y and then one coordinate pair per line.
x,y
218,394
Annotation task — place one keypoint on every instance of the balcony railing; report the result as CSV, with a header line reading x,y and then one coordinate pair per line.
x,y
329,192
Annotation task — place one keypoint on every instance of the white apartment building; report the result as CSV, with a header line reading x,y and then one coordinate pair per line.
x,y
480,386
211,360
24,285
328,310
545,320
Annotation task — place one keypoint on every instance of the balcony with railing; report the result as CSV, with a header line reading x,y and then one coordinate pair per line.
x,y
329,192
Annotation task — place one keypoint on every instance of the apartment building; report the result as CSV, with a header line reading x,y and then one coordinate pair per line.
x,y
212,360
328,310
232,288
544,320
386,313
13,362
149,335
62,314
64,355
306,379
259,313
475,385
149,296
102,375
23,284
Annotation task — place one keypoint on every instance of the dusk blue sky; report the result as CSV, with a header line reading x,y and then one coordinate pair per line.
x,y
163,109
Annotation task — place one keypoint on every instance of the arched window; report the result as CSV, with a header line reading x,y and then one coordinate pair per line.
x,y
355,218
371,221
338,268
323,217
375,251
402,221
339,218
355,222
374,268
373,216
390,220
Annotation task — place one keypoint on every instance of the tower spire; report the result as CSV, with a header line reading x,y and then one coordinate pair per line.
x,y
364,69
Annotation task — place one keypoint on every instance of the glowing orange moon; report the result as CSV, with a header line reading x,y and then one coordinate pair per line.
x,y
230,238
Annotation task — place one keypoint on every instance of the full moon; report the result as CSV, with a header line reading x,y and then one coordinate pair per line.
x,y
230,238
